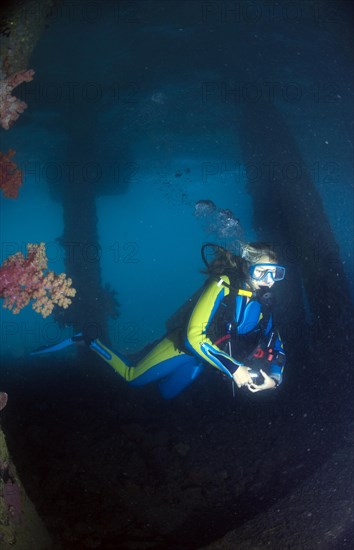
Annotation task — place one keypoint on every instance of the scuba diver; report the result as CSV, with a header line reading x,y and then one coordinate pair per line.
x,y
227,325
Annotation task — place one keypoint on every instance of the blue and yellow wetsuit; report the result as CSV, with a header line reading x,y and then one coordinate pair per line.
x,y
177,366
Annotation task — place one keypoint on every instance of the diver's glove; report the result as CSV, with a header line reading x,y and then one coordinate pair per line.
x,y
268,384
242,376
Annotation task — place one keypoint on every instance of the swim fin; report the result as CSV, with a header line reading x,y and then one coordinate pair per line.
x,y
60,345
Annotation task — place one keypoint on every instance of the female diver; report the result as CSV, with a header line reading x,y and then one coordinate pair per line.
x,y
229,327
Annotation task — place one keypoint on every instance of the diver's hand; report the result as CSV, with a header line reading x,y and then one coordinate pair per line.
x,y
242,376
267,384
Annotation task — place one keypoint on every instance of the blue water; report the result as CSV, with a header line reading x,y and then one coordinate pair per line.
x,y
165,81
137,111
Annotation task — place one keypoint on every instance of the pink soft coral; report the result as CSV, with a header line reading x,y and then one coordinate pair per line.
x,y
25,279
10,106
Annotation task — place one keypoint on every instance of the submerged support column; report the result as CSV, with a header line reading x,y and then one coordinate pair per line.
x,y
293,210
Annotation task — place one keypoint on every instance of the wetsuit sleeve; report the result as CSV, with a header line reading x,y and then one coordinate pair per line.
x,y
197,341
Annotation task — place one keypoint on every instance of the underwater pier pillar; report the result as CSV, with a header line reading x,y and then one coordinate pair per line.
x,y
291,212
94,303
82,263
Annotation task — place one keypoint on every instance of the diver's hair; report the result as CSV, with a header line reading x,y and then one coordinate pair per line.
x,y
224,263
252,252
228,263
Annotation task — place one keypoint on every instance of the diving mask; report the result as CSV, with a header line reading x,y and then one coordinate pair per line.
x,y
262,272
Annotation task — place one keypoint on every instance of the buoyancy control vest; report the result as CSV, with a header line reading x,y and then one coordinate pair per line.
x,y
224,325
224,322
223,330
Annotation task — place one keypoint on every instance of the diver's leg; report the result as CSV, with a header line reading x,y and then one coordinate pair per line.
x,y
163,359
180,378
